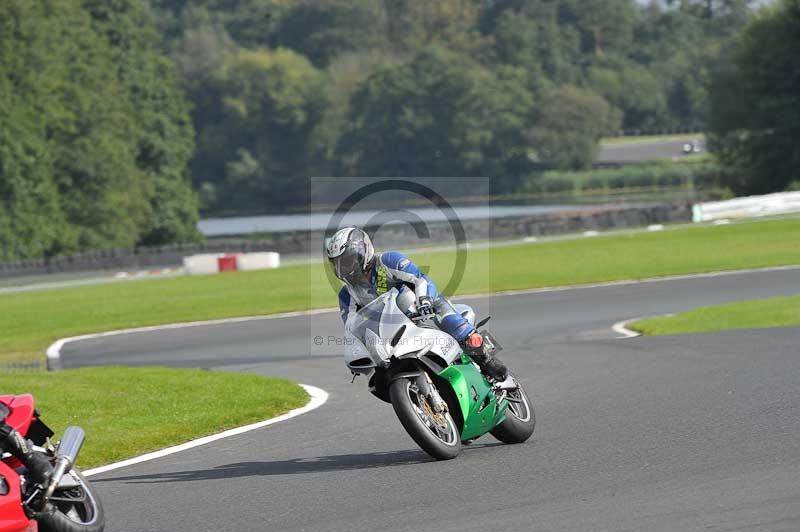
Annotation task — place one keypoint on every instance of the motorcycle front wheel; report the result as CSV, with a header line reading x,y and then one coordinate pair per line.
x,y
436,433
75,509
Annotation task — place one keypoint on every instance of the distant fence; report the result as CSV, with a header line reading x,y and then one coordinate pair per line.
x,y
748,207
397,235
126,259
656,131
23,367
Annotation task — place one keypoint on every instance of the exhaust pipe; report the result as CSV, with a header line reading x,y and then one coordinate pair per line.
x,y
66,454
71,443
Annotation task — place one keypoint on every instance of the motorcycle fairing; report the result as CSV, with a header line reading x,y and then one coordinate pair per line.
x,y
12,517
476,400
380,321
21,407
19,415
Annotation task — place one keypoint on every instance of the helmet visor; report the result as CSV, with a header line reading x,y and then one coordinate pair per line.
x,y
349,266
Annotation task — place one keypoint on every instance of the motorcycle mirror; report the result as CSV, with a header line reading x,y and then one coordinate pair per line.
x,y
483,322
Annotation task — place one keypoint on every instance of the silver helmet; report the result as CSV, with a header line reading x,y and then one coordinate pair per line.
x,y
351,254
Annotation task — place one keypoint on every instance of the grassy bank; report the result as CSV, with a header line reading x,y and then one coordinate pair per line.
x,y
129,411
690,175
647,139
756,314
31,321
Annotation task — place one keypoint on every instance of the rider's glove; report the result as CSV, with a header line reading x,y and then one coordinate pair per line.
x,y
425,306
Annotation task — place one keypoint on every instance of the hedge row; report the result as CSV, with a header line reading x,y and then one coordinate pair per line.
x,y
660,175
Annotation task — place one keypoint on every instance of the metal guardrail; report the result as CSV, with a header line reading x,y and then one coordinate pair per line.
x,y
23,367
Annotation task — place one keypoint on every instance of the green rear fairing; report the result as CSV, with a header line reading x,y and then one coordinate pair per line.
x,y
479,409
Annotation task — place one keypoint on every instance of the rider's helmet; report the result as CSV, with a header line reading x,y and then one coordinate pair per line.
x,y
351,255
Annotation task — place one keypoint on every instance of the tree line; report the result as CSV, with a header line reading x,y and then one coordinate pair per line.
x,y
95,131
754,123
120,120
283,90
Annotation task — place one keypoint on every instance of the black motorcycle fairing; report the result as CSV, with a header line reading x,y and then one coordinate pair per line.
x,y
39,433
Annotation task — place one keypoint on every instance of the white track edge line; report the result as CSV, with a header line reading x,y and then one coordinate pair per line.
x,y
621,328
318,398
54,350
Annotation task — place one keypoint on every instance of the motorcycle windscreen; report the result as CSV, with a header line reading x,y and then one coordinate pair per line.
x,y
368,319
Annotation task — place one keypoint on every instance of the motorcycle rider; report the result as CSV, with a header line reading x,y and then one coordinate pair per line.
x,y
39,468
367,275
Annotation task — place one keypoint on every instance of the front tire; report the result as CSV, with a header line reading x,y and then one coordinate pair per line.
x,y
520,419
436,434
84,514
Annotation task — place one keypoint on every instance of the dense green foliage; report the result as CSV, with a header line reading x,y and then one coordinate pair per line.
x,y
452,118
655,178
108,106
755,120
95,133
284,90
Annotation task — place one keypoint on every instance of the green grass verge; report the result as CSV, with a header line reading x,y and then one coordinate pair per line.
x,y
756,314
30,321
131,411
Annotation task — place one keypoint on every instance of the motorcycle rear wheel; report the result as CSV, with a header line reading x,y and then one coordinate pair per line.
x,y
520,420
85,514
436,434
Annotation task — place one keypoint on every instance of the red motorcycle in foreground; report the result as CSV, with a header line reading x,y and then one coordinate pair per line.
x,y
68,503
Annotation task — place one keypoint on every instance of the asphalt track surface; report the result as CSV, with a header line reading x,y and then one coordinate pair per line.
x,y
697,432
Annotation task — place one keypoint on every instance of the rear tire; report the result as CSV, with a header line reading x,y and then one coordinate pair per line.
x,y
86,516
520,419
440,440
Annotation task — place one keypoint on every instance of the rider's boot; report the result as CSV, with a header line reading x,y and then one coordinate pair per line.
x,y
39,468
490,365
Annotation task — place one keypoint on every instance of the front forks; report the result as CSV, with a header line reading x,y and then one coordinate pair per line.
x,y
428,389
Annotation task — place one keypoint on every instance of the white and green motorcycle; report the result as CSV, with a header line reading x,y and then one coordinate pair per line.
x,y
438,392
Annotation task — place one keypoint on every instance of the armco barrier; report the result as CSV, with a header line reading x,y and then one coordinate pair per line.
x,y
257,261
226,263
747,207
208,263
203,264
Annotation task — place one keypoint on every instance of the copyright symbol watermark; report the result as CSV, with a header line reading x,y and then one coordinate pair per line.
x,y
432,221
413,190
